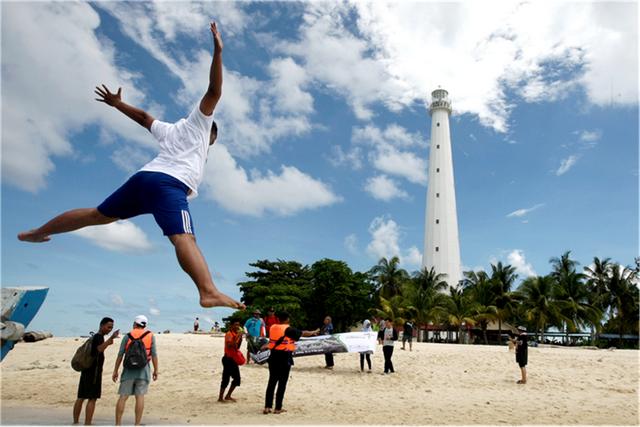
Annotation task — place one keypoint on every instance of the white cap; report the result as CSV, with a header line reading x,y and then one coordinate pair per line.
x,y
141,320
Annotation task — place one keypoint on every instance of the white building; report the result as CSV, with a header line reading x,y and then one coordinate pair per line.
x,y
441,244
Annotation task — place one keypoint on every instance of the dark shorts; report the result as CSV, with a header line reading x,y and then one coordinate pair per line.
x,y
156,193
230,370
90,386
521,359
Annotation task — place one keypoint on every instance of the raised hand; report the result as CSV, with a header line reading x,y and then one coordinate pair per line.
x,y
112,99
217,39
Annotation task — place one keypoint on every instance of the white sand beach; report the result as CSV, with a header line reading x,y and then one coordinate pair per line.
x,y
433,384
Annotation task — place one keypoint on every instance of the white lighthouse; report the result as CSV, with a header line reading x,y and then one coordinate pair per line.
x,y
441,245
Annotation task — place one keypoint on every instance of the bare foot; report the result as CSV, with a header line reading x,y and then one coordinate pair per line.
x,y
218,299
521,382
33,237
230,399
220,400
266,411
279,411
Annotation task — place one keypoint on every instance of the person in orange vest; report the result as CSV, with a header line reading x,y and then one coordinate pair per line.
x,y
282,343
135,381
230,368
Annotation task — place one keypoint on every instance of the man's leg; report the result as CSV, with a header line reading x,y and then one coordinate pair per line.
x,y
194,264
68,221
88,412
77,408
523,370
282,387
139,408
122,400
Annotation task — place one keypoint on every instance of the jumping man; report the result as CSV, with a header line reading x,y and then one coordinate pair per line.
x,y
161,187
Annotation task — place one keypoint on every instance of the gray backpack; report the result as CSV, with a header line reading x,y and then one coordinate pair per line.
x,y
83,359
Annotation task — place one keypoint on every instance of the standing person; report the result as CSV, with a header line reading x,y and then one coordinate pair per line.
x,y
254,327
90,385
230,369
407,334
282,343
196,325
366,327
161,187
327,329
270,320
390,335
522,350
135,381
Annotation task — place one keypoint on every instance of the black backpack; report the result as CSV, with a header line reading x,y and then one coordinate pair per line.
x,y
136,355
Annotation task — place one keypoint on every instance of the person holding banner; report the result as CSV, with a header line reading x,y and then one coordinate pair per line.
x,y
230,368
366,327
282,343
390,335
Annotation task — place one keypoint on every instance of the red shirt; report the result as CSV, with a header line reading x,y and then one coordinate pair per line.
x,y
232,340
270,320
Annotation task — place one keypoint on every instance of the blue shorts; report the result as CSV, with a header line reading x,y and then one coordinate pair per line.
x,y
156,193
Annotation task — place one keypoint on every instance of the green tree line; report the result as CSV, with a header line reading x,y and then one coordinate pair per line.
x,y
601,298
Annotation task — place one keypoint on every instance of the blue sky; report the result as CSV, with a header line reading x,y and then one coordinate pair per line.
x,y
323,142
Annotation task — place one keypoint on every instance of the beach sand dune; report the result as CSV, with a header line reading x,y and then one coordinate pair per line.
x,y
433,384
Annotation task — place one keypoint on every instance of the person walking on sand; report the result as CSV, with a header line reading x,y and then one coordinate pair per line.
x,y
161,187
522,353
390,335
407,334
327,329
135,381
196,325
282,343
90,385
230,369
366,327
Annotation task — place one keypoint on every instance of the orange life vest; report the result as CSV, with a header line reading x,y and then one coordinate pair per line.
x,y
275,333
147,340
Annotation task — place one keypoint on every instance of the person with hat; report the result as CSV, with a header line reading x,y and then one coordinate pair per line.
x,y
135,381
254,327
522,353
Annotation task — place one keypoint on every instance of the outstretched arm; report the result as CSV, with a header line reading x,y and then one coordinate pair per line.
x,y
114,99
214,91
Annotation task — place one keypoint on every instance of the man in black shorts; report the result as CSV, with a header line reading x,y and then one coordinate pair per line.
x,y
522,353
161,187
90,386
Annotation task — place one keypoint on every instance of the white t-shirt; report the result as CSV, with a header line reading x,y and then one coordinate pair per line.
x,y
183,148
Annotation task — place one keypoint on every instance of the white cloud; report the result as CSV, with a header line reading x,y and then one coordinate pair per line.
x,y
517,259
352,158
51,57
288,80
120,236
413,257
286,193
402,51
117,300
567,164
393,135
401,163
385,242
590,136
384,188
524,211
351,243
154,311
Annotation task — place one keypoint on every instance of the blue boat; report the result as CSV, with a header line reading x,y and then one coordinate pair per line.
x,y
19,307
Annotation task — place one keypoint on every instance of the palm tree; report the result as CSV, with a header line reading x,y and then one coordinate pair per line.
x,y
459,310
572,294
502,278
480,291
423,296
392,308
624,299
539,305
389,276
597,285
